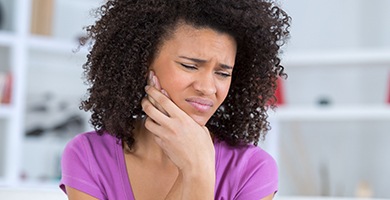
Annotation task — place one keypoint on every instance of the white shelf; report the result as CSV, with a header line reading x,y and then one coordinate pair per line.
x,y
43,185
332,113
5,111
2,182
17,193
6,38
338,58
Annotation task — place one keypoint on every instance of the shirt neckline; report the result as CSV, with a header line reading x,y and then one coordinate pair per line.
x,y
128,190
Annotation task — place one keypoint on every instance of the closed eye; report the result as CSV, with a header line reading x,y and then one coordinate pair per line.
x,y
191,67
224,74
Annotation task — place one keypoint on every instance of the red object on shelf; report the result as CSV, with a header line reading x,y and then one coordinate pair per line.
x,y
7,90
388,90
279,93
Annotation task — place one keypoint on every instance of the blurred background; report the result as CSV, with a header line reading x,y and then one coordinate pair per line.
x,y
330,132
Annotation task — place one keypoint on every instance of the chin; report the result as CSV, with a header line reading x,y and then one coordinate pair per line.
x,y
200,120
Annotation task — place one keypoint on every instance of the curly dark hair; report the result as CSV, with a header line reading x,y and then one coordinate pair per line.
x,y
128,33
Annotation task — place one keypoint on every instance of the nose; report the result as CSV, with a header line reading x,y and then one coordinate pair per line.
x,y
205,84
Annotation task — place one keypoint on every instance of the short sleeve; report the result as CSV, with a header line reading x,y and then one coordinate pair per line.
x,y
259,178
76,168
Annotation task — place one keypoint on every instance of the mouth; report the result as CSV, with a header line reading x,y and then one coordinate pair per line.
x,y
200,104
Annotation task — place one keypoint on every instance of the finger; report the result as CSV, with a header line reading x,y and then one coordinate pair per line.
x,y
151,83
156,82
163,100
157,105
150,77
155,128
157,85
153,112
152,125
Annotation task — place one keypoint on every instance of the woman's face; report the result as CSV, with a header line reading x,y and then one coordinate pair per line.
x,y
194,66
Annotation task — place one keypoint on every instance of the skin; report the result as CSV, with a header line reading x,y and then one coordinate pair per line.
x,y
174,154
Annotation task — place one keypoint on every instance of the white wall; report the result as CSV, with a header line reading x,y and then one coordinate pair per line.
x,y
333,24
323,24
375,15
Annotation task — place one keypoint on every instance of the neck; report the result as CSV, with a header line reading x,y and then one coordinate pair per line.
x,y
145,147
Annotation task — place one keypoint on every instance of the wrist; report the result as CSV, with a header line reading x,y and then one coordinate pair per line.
x,y
205,177
198,185
195,171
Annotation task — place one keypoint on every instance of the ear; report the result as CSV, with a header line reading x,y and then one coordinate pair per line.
x,y
147,74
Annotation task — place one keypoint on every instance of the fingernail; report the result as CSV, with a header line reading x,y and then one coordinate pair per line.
x,y
147,87
154,80
150,76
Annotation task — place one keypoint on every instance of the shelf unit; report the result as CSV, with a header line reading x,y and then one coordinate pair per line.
x,y
312,130
365,58
333,113
356,57
25,53
14,112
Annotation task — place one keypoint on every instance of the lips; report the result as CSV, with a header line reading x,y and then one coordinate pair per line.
x,y
200,104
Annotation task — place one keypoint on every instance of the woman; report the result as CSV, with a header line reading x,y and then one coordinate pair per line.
x,y
179,91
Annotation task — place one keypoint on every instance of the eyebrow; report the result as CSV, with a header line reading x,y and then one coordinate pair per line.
x,y
197,60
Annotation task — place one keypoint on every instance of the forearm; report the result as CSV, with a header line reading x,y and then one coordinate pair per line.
x,y
193,187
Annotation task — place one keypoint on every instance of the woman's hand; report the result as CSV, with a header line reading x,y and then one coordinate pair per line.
x,y
188,144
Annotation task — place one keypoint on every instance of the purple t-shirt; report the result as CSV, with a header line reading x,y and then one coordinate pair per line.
x,y
95,165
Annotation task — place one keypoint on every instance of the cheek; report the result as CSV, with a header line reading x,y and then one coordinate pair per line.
x,y
223,90
174,87
171,82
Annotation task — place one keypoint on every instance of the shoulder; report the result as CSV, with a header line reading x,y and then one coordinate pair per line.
x,y
244,153
92,137
92,141
90,146
85,162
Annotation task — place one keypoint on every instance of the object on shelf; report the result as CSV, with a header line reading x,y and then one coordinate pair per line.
x,y
74,122
49,114
388,90
42,17
279,93
364,190
324,101
1,16
5,88
324,179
